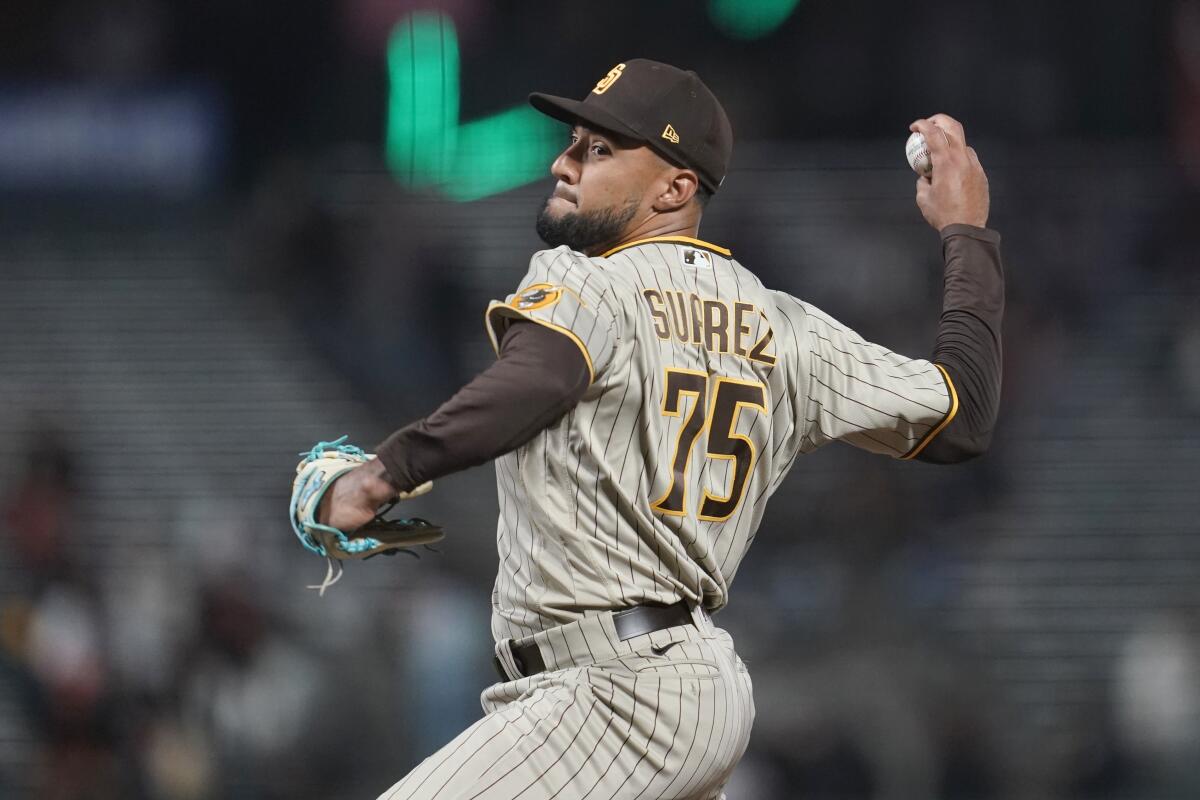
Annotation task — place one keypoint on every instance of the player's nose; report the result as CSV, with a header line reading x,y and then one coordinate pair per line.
x,y
566,168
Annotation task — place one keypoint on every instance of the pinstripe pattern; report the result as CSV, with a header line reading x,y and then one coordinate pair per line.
x,y
578,530
706,388
637,723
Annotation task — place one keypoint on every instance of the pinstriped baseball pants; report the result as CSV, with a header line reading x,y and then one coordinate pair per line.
x,y
665,715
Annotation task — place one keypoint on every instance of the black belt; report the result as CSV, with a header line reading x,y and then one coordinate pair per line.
x,y
629,622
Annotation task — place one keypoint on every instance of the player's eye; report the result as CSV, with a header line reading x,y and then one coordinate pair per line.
x,y
599,148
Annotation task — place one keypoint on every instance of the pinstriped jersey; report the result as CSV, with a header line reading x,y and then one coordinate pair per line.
x,y
706,386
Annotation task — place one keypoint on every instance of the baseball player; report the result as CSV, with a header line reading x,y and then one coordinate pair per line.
x,y
649,396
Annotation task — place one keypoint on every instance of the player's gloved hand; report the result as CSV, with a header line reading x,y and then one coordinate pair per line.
x,y
957,189
335,508
354,498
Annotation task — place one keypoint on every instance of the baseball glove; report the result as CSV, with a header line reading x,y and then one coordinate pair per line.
x,y
316,472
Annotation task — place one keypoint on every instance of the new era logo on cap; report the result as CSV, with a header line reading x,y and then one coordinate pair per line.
x,y
645,100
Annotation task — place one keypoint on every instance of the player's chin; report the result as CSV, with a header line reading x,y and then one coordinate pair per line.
x,y
555,214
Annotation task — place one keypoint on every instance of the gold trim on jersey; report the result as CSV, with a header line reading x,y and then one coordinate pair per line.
x,y
675,239
945,420
496,305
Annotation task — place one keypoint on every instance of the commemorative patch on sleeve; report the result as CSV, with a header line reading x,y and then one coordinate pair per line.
x,y
539,295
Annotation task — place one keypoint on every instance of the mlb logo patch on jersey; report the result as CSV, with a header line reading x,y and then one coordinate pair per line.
x,y
536,296
696,258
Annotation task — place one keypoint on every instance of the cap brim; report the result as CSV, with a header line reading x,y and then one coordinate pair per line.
x,y
572,111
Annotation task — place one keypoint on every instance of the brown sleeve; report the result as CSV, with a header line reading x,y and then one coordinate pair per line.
x,y
540,375
968,341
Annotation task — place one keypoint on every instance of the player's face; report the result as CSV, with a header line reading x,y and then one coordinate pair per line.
x,y
605,185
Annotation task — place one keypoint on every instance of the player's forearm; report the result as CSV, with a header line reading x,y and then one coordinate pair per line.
x,y
968,341
540,376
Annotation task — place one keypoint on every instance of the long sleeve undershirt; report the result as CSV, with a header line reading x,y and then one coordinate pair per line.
x,y
968,340
541,374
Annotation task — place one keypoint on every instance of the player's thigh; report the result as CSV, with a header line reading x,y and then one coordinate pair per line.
x,y
684,716
658,726
531,747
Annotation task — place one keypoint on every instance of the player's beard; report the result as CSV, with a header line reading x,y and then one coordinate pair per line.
x,y
585,230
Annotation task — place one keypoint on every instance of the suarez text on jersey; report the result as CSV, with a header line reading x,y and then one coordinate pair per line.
x,y
715,325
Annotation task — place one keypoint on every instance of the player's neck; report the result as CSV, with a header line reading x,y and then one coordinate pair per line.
x,y
653,228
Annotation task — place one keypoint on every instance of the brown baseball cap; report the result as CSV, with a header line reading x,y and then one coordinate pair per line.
x,y
667,108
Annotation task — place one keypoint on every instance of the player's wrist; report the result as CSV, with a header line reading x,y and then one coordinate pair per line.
x,y
377,485
975,231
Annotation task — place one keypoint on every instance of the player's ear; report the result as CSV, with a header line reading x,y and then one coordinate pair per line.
x,y
680,187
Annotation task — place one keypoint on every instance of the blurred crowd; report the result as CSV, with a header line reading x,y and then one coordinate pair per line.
x,y
186,675
149,682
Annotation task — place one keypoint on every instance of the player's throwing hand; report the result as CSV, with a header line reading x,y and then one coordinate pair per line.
x,y
957,189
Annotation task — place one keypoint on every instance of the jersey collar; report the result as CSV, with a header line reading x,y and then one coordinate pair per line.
x,y
675,239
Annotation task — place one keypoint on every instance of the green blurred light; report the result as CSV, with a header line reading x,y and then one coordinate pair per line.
x,y
425,146
750,19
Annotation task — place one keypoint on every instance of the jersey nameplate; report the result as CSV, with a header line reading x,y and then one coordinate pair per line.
x,y
710,323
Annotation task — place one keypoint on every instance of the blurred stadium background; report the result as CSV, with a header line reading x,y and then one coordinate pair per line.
x,y
229,228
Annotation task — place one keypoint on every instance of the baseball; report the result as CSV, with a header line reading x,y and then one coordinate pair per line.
x,y
918,155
